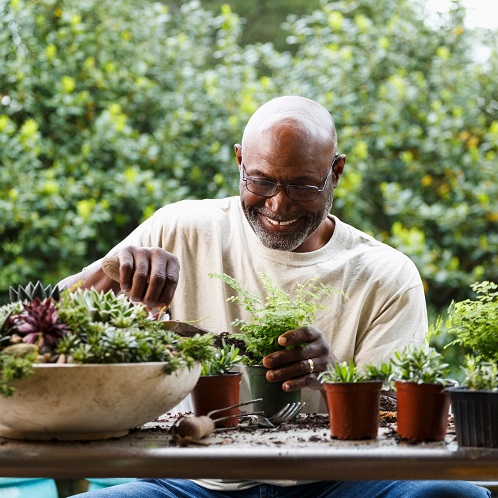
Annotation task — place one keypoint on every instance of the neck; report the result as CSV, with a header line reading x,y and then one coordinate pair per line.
x,y
319,238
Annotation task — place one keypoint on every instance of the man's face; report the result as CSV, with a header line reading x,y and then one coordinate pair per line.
x,y
279,221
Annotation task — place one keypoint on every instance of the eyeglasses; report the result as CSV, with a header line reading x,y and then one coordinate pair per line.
x,y
300,193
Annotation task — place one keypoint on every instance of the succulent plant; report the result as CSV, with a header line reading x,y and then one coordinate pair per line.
x,y
30,292
87,326
38,324
348,372
5,312
421,364
97,306
224,359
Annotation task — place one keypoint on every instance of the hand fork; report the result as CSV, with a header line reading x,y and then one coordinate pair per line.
x,y
200,427
288,412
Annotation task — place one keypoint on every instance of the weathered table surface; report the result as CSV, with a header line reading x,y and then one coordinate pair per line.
x,y
302,450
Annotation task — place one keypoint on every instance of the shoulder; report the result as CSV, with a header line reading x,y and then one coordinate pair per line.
x,y
372,255
194,211
352,239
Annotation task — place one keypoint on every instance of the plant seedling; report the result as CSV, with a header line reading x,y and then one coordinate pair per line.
x,y
420,364
224,359
480,376
475,322
349,372
275,313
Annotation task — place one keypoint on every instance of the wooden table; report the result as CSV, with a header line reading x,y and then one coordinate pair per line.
x,y
298,451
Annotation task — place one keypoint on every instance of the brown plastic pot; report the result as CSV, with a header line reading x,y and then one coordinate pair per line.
x,y
353,409
213,392
422,411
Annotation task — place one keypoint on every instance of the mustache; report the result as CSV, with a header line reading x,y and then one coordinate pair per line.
x,y
274,217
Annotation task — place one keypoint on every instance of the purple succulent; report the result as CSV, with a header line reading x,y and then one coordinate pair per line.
x,y
39,324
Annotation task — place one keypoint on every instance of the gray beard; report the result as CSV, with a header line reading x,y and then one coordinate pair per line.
x,y
285,242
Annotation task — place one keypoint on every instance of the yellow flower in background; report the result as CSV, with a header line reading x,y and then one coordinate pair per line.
x,y
68,84
427,180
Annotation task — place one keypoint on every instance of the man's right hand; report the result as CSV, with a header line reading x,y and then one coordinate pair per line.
x,y
147,274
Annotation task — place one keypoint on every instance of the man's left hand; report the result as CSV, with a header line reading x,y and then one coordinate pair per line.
x,y
299,366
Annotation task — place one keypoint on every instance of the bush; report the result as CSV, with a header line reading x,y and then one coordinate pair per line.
x,y
111,109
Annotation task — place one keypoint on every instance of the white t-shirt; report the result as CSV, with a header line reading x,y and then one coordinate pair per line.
x,y
385,305
384,308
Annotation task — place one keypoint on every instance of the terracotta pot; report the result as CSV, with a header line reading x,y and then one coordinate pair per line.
x,y
274,397
476,417
422,411
213,392
353,409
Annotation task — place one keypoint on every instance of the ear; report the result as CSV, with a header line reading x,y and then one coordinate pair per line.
x,y
338,169
238,154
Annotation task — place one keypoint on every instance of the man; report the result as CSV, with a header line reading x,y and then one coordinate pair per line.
x,y
280,226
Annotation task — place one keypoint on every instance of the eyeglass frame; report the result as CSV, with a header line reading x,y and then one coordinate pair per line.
x,y
316,189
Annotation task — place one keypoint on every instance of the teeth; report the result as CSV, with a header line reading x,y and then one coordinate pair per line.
x,y
281,223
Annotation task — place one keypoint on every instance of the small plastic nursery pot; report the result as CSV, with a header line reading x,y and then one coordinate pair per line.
x,y
353,408
213,392
422,411
476,417
274,397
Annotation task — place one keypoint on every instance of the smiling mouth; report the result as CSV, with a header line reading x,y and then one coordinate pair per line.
x,y
281,223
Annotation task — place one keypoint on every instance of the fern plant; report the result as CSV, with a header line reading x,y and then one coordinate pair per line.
x,y
274,313
480,376
474,322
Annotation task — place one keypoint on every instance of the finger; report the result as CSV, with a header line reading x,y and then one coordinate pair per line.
x,y
310,381
163,279
172,278
300,335
285,357
295,370
126,269
140,276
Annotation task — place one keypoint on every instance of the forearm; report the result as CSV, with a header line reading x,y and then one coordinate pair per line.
x,y
92,277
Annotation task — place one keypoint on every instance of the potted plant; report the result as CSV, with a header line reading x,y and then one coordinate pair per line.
x,y
219,385
271,315
475,405
353,398
422,395
474,324
91,365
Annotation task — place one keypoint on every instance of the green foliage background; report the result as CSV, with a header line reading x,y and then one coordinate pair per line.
x,y
110,109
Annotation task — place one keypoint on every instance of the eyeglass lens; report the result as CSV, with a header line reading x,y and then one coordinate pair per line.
x,y
267,188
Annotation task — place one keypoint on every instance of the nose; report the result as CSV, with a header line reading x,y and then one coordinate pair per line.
x,y
280,204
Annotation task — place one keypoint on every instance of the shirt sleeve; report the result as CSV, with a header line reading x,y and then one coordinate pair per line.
x,y
400,320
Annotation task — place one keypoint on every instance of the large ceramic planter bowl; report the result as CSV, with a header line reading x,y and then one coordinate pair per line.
x,y
82,402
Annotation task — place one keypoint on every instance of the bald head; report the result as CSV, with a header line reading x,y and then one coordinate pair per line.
x,y
309,121
289,147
